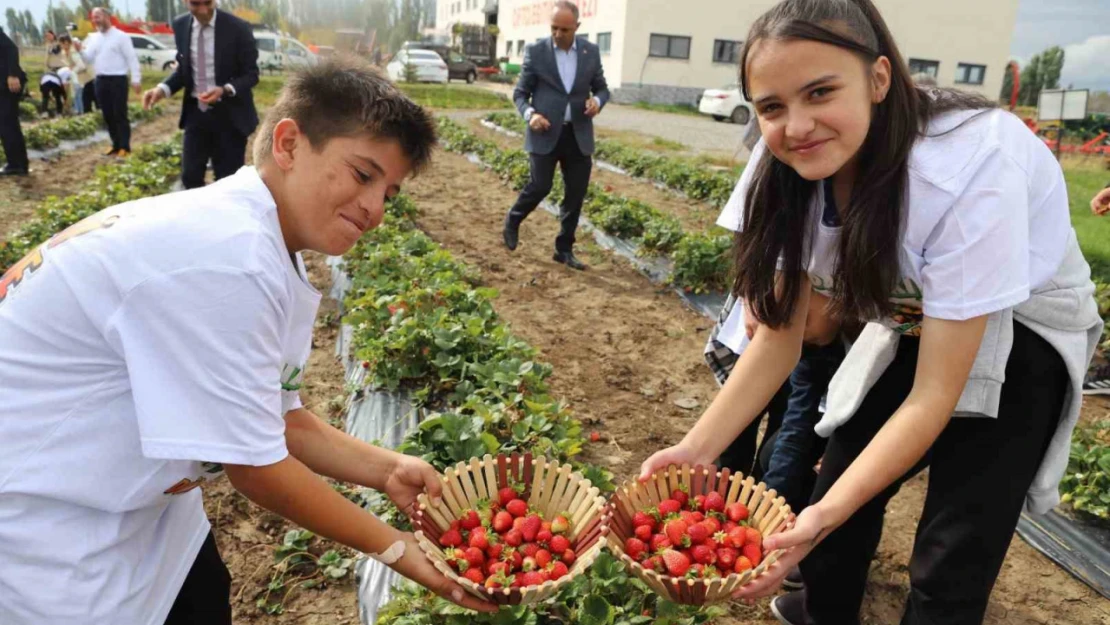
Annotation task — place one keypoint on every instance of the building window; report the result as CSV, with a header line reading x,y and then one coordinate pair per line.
x,y
669,46
725,51
604,41
519,47
585,36
508,48
967,74
921,66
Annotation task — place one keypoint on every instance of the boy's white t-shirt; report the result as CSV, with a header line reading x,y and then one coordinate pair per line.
x,y
141,348
986,224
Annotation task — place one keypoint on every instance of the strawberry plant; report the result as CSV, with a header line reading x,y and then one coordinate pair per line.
x,y
49,134
297,564
701,262
1086,483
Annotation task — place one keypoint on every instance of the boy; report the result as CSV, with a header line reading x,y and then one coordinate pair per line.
x,y
160,341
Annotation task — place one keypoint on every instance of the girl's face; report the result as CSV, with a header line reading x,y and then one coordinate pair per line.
x,y
814,102
49,37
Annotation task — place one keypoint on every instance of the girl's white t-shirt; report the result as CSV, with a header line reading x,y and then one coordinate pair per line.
x,y
142,348
986,222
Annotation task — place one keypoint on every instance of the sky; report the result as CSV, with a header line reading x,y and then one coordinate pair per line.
x,y
1082,27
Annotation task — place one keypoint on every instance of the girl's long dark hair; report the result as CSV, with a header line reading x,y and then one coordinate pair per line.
x,y
776,210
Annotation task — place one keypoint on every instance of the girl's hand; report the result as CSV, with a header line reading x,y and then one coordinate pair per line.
x,y
808,529
408,478
416,566
678,454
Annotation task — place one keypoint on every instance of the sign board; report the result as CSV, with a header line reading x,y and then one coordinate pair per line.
x,y
1062,104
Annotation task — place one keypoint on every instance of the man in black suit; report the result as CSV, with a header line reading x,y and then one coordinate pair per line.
x,y
217,65
560,90
11,135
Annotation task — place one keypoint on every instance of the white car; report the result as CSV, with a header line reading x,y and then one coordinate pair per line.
x,y
726,103
153,52
277,52
429,66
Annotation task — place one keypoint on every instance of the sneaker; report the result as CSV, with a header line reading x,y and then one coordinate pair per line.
x,y
793,580
1097,381
790,608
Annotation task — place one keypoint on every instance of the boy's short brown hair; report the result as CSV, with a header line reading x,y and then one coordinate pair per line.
x,y
344,96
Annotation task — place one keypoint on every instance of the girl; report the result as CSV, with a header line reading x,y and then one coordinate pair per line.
x,y
944,224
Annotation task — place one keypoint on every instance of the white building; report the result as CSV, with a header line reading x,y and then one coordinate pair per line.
x,y
665,51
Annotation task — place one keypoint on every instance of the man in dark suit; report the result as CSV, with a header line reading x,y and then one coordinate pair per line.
x,y
553,95
217,65
11,135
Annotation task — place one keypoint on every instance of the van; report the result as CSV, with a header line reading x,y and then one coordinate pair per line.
x,y
278,52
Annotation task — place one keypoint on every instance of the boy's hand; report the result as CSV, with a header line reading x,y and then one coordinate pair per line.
x,y
409,477
416,566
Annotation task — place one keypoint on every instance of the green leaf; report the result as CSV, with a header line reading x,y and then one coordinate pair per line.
x,y
596,611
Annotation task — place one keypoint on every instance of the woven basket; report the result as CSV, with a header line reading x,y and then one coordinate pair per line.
x,y
768,514
550,488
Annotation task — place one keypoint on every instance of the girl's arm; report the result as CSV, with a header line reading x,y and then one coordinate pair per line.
x,y
755,378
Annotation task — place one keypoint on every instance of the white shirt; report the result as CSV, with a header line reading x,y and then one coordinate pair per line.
x,y
112,54
61,78
141,346
987,221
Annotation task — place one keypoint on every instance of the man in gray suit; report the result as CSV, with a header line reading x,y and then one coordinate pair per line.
x,y
553,95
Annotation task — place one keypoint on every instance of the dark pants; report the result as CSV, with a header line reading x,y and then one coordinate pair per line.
x,y
111,96
88,96
57,93
576,168
741,453
980,470
205,597
797,448
11,135
210,135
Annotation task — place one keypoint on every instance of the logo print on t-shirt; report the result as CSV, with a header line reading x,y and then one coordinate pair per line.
x,y
291,377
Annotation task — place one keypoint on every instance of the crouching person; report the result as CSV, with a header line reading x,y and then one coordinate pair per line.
x,y
161,342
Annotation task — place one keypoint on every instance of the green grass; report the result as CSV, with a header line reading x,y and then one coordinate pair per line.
x,y
681,109
666,145
453,96
1085,179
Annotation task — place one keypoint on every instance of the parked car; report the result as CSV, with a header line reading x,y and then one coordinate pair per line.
x,y
430,66
153,52
458,66
726,103
276,51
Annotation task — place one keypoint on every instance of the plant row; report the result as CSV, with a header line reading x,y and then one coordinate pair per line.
x,y
424,324
1086,484
50,134
150,170
700,260
696,181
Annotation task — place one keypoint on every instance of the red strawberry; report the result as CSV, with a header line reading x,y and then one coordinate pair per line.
x,y
737,512
727,527
529,549
493,566
451,538
475,557
518,523
543,558
505,495
659,542
470,520
479,539
514,538
753,536
677,563
753,553
365,364
727,556
698,503
502,522
568,557
635,548
654,563
680,496
545,526
689,517
643,518
528,564
531,527
531,579
714,502
513,559
455,525
517,507
544,536
737,537
712,525
696,571
643,532
668,507
456,558
742,564
475,575
595,437
676,533
494,551
560,525
558,570
699,517
698,533
500,580
703,554
558,543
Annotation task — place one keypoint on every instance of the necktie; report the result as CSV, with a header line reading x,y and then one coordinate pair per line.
x,y
200,72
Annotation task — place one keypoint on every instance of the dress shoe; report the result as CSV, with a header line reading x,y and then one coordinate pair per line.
x,y
511,234
111,152
123,153
568,259
13,171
